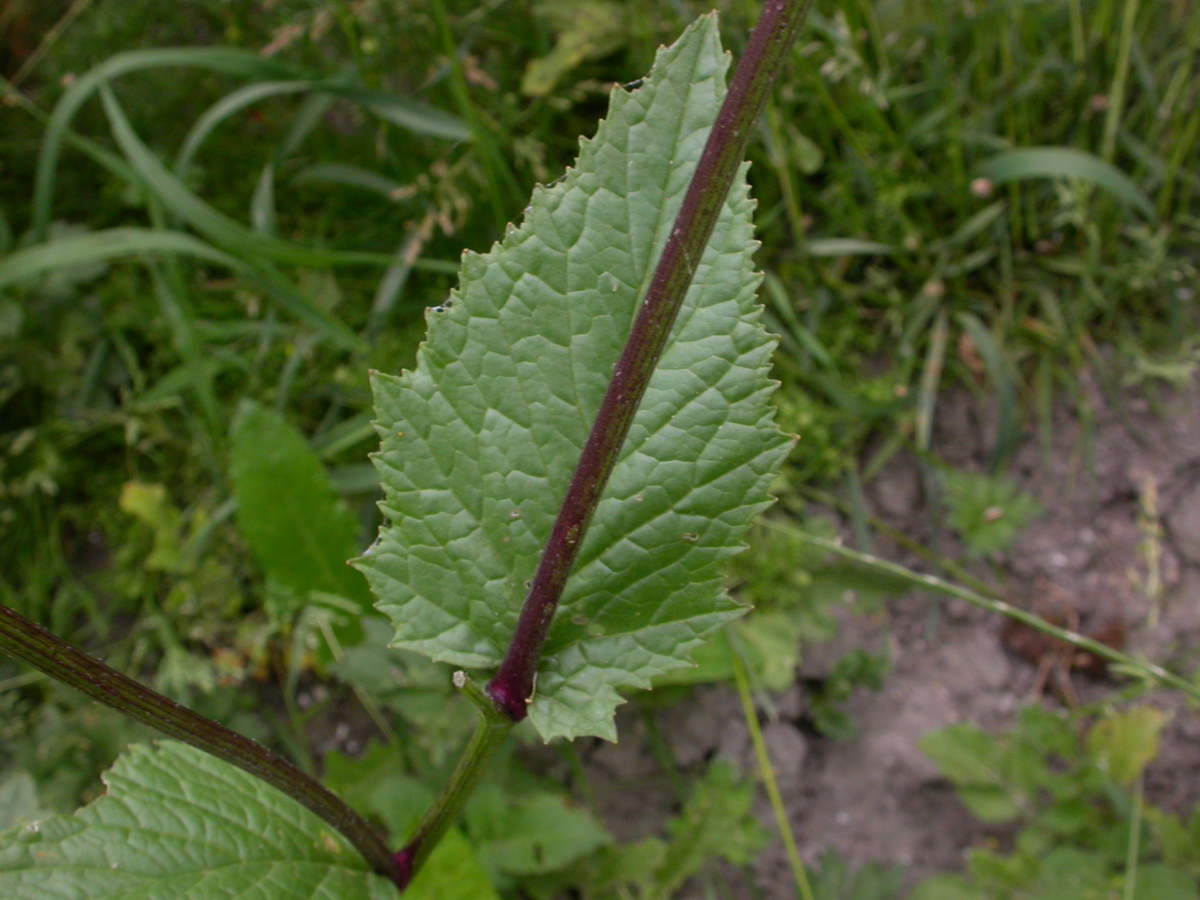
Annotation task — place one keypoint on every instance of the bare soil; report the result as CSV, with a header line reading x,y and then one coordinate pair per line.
x,y
1117,547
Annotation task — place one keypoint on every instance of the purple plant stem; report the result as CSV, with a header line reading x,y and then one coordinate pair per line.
x,y
513,686
28,641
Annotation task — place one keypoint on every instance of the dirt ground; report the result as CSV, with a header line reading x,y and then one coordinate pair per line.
x,y
1105,486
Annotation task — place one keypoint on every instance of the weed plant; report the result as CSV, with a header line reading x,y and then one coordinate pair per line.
x,y
909,245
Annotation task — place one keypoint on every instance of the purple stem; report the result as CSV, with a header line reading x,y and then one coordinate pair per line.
x,y
512,687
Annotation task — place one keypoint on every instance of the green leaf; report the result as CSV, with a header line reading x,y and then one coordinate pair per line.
x,y
18,799
452,872
1156,881
299,531
179,824
151,504
963,753
377,783
1124,743
947,887
987,511
970,758
531,833
480,441
586,29
439,718
774,638
717,820
833,879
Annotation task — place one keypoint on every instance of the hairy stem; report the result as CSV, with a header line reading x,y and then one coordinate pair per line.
x,y
36,646
513,686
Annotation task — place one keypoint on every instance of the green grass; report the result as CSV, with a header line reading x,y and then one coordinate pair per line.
x,y
979,194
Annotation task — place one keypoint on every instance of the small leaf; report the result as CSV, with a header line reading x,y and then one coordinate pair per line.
x,y
717,820
806,153
986,511
947,887
150,504
532,833
1156,881
419,691
1126,742
833,879
377,783
479,441
970,758
300,532
587,29
775,639
962,752
179,824
452,872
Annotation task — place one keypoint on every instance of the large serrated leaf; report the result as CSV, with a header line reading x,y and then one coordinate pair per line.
x,y
479,441
177,824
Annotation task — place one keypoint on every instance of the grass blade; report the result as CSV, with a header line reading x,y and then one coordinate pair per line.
x,y
767,773
1116,92
822,247
119,243
228,106
1148,671
1066,162
281,290
350,176
102,246
102,156
177,311
231,62
216,226
262,205
419,118
1000,371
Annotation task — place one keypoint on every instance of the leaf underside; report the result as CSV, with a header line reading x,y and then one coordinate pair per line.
x,y
479,442
178,824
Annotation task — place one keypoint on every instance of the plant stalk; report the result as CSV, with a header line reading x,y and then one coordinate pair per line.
x,y
1142,669
513,686
33,644
767,772
491,731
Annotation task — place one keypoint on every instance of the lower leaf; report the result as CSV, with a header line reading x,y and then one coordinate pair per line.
x,y
177,824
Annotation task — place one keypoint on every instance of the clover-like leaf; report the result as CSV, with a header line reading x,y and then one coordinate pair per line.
x,y
480,440
177,824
